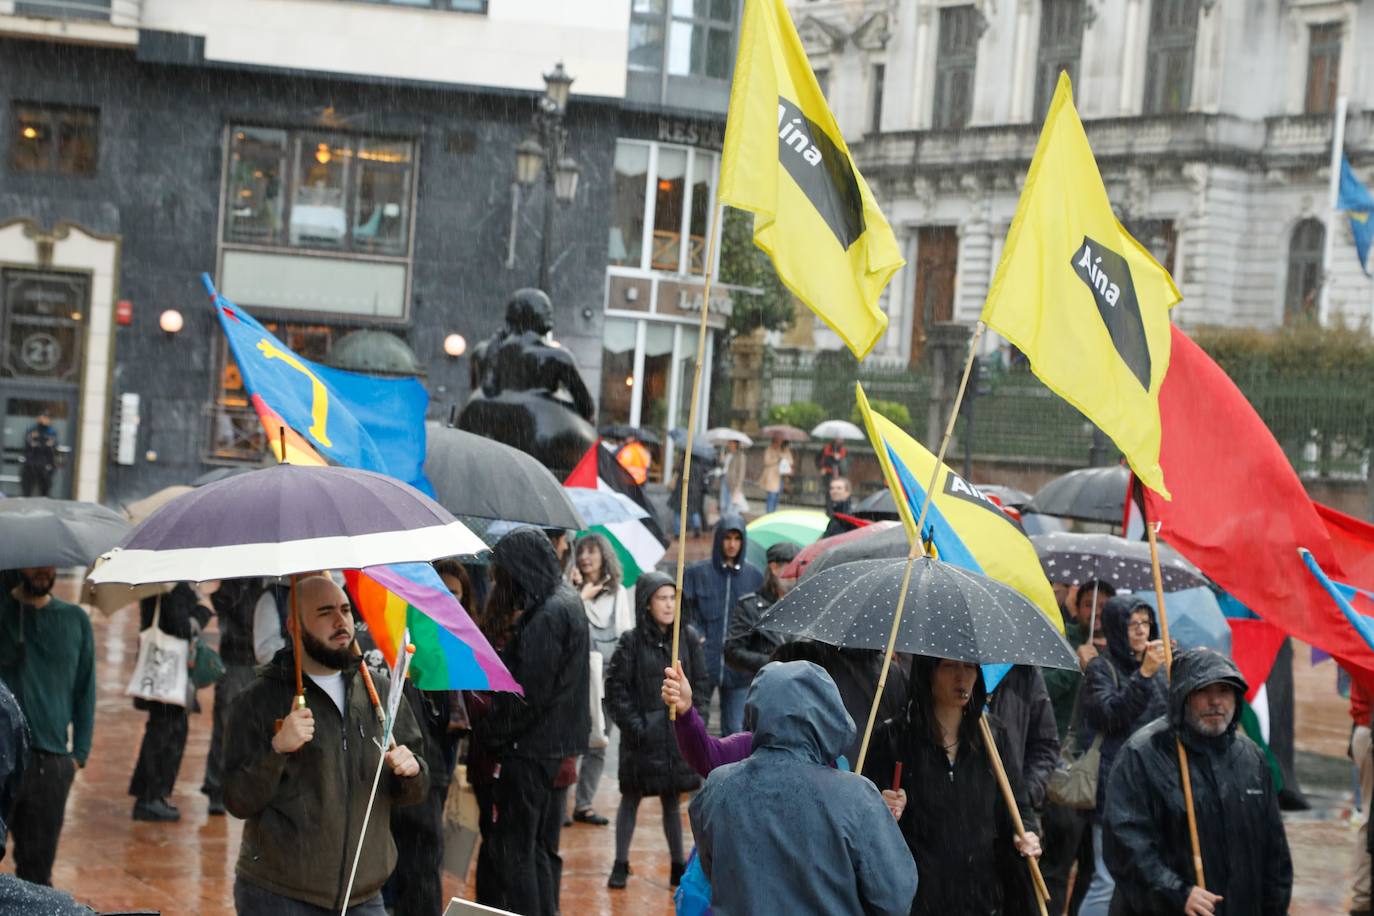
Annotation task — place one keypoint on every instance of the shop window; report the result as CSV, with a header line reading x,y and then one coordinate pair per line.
x,y
1169,60
1304,270
1323,68
627,203
308,189
955,64
676,200
235,431
44,320
52,140
1061,44
617,370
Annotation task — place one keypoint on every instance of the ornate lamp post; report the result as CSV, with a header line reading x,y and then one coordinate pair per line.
x,y
545,151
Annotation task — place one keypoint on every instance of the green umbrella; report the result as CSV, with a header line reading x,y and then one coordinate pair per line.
x,y
796,526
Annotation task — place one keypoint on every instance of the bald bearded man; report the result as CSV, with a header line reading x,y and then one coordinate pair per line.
x,y
303,789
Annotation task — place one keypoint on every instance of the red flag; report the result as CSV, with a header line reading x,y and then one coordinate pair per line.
x,y
1353,541
1239,511
1254,646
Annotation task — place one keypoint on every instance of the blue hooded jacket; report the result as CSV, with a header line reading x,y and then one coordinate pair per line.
x,y
841,852
712,588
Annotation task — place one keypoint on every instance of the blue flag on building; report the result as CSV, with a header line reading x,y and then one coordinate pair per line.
x,y
358,421
1355,201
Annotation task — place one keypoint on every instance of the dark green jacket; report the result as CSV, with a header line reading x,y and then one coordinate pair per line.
x,y
1063,685
47,657
304,810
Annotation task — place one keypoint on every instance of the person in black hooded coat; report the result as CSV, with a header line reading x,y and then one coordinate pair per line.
x,y
650,763
956,823
1146,845
548,655
1123,689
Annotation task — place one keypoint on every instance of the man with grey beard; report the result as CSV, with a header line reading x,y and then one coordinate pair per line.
x,y
1146,843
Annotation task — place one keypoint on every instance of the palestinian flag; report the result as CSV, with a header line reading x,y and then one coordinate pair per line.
x,y
639,544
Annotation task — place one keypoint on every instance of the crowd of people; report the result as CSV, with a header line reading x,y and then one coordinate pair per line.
x,y
924,828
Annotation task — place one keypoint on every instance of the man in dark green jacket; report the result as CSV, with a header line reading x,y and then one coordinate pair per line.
x,y
303,790
47,658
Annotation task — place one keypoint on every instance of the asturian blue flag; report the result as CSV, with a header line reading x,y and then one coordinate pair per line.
x,y
1356,202
376,424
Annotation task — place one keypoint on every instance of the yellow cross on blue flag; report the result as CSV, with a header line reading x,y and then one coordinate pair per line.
x,y
966,528
786,162
1081,298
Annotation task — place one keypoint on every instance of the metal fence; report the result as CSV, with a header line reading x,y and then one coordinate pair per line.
x,y
1323,418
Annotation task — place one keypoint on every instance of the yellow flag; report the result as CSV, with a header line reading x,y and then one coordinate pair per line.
x,y
1083,300
966,528
785,161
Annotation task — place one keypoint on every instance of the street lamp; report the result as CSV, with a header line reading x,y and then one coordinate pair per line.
x,y
545,150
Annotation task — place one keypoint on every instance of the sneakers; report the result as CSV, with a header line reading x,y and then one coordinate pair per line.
x,y
675,873
588,816
155,810
620,873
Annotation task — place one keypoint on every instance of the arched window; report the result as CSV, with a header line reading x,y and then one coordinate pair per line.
x,y
1304,269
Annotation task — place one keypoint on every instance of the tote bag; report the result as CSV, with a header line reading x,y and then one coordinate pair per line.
x,y
1073,783
160,673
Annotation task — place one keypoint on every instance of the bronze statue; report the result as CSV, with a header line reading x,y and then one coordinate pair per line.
x,y
528,393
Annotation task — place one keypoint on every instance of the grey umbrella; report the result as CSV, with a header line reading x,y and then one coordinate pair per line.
x,y
37,531
1088,494
1075,558
950,613
891,544
480,477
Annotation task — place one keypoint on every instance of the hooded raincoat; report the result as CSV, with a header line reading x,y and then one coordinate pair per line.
x,y
711,588
1117,698
956,822
764,852
650,763
1145,828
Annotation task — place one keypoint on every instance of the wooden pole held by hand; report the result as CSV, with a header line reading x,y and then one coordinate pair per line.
x,y
691,438
1042,893
296,647
1185,775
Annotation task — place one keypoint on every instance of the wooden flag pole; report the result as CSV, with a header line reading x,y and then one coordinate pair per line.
x,y
691,438
1042,893
1186,778
917,549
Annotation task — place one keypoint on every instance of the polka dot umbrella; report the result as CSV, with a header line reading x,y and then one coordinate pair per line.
x,y
949,613
1075,558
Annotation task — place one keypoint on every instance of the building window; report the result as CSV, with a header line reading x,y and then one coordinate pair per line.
x,y
1304,270
699,38
460,6
1061,44
646,35
1169,61
64,9
51,140
823,80
670,189
310,189
875,98
1323,68
1158,236
955,63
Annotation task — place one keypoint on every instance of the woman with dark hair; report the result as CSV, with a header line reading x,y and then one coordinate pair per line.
x,y
955,822
596,575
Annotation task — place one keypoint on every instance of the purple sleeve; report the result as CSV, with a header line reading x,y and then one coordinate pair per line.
x,y
704,753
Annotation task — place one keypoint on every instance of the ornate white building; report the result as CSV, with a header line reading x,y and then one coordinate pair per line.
x,y
1211,121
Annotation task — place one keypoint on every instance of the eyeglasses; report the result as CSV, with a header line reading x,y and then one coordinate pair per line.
x,y
1143,625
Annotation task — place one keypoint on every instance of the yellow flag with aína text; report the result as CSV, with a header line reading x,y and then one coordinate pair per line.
x,y
786,162
1081,298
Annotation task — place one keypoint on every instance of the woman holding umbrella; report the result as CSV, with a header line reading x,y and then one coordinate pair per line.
x,y
955,822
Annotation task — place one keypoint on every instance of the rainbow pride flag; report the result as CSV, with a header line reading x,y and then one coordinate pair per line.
x,y
450,652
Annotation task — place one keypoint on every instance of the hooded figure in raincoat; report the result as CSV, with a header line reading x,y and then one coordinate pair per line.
x,y
783,831
1145,843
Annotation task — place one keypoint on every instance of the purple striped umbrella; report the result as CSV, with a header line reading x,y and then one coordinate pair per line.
x,y
283,520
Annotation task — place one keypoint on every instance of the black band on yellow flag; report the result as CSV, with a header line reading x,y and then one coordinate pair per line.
x,y
785,161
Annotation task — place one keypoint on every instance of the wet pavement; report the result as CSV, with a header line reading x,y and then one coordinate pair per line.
x,y
113,863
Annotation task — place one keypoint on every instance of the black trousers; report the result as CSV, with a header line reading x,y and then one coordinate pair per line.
x,y
550,862
35,481
1068,838
417,884
36,822
524,793
487,881
159,757
236,679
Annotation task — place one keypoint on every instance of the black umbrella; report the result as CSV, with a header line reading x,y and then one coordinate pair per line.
x,y
949,613
881,505
1076,558
37,531
1088,494
476,476
623,431
891,544
700,447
